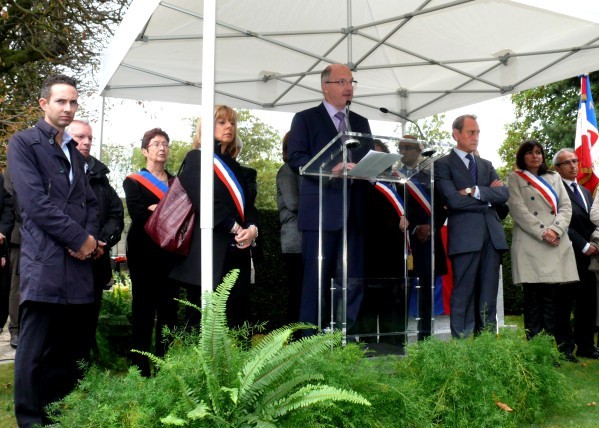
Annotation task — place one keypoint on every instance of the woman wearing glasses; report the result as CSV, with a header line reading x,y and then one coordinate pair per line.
x,y
235,217
542,254
149,265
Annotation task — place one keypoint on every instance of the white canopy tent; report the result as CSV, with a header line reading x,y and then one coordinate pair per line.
x,y
414,57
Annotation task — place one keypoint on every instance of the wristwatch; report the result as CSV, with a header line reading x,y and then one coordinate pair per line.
x,y
468,191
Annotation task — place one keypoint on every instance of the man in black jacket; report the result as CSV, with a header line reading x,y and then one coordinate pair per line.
x,y
110,208
580,296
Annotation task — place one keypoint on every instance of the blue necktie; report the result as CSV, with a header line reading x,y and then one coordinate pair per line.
x,y
577,195
472,167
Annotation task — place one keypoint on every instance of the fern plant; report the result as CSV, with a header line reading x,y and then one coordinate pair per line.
x,y
266,387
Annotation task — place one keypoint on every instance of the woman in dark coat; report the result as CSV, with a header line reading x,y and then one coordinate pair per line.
x,y
235,229
149,265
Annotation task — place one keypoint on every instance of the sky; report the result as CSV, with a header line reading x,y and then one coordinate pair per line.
x,y
126,121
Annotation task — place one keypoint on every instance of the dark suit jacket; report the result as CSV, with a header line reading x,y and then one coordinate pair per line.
x,y
311,131
468,217
581,228
417,215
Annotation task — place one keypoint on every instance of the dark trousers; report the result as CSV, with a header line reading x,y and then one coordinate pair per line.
x,y
580,297
52,340
331,268
238,304
539,309
475,284
295,273
15,283
153,307
4,292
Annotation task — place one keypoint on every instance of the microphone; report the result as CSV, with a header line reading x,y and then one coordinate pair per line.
x,y
386,111
350,143
428,153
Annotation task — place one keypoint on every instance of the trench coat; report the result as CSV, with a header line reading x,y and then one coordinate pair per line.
x,y
56,214
533,260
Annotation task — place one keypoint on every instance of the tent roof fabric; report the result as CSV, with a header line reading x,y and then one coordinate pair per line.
x,y
415,57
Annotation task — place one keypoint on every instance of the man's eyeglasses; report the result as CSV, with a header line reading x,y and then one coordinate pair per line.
x,y
343,82
569,162
157,144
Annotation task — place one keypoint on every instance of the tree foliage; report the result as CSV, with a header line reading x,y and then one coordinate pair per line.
x,y
546,113
41,37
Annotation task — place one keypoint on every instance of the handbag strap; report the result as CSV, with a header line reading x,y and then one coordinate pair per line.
x,y
153,184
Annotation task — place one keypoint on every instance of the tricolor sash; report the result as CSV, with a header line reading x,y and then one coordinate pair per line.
x,y
395,200
542,186
422,197
150,182
226,175
392,196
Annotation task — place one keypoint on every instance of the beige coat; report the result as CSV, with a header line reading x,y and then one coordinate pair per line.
x,y
533,260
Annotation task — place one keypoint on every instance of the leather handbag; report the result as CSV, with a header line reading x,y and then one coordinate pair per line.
x,y
171,223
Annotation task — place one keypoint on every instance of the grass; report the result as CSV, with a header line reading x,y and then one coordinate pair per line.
x,y
579,412
7,418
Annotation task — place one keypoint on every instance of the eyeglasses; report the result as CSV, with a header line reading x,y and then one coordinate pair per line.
x,y
343,82
157,144
569,162
471,133
83,137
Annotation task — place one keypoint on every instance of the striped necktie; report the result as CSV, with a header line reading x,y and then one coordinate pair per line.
x,y
472,167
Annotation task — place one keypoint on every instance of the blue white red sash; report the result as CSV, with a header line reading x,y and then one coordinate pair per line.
x,y
226,175
392,196
150,182
389,192
422,197
542,186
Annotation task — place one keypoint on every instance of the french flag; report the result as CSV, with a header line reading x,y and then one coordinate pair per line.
x,y
586,137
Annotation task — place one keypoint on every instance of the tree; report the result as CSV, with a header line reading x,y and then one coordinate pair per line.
x,y
263,153
41,37
546,113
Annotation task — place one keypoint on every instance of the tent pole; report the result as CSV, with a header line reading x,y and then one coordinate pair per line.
x,y
101,128
207,155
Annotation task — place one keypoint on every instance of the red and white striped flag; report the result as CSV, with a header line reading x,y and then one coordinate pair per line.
x,y
586,137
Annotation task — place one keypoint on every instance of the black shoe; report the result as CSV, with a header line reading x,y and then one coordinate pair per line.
x,y
14,340
568,356
590,353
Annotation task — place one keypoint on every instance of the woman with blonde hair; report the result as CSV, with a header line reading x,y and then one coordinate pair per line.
x,y
235,217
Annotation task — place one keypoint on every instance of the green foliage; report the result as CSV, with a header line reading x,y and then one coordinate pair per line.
x,y
211,381
177,152
546,113
445,384
39,38
432,128
270,293
114,323
261,151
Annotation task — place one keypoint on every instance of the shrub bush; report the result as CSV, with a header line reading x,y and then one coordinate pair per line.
x,y
211,380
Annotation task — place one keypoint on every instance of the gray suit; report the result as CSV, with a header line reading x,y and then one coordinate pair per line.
x,y
475,241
